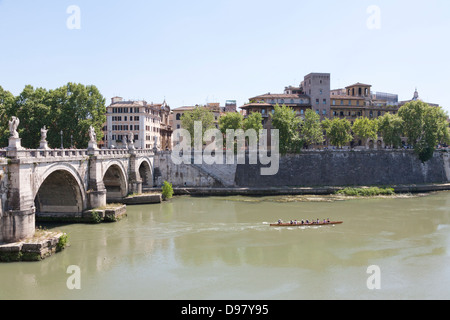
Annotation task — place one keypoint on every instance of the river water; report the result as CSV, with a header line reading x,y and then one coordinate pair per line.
x,y
224,249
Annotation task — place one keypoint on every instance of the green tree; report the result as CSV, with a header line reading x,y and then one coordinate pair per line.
x,y
6,105
390,126
74,108
201,114
231,120
425,127
31,107
253,121
338,131
285,120
365,128
311,130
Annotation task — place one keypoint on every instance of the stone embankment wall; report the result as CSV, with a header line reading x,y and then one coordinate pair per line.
x,y
349,168
314,169
182,175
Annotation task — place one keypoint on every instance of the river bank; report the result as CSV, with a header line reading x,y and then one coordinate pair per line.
x,y
298,191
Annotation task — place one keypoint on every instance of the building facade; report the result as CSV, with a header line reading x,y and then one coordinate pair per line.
x,y
357,101
138,122
265,104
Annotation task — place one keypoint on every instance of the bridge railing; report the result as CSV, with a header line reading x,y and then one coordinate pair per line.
x,y
73,153
52,153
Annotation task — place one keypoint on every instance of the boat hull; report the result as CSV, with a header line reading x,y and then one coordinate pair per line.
x,y
306,225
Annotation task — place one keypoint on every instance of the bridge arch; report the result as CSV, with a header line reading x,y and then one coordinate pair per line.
x,y
115,181
60,192
145,169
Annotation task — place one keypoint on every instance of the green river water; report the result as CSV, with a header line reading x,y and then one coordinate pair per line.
x,y
222,248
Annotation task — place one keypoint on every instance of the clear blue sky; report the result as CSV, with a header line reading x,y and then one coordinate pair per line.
x,y
193,52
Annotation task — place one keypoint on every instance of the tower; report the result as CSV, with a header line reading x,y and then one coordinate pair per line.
x,y
317,86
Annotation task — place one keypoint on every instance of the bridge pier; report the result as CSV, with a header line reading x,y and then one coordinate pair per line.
x,y
96,187
135,180
18,222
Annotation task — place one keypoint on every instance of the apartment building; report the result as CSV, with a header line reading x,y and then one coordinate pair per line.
x,y
138,122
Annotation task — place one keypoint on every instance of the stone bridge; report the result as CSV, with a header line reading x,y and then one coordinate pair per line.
x,y
65,182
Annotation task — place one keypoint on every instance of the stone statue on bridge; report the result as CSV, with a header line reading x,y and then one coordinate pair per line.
x,y
14,139
131,140
44,133
13,125
92,134
92,139
43,142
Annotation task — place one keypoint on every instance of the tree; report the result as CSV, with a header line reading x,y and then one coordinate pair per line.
x,y
338,131
6,104
390,127
31,107
425,127
231,120
311,131
253,121
365,128
285,120
199,114
72,109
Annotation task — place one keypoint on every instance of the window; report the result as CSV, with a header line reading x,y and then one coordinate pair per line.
x,y
317,101
324,101
334,102
349,102
342,102
321,91
178,117
302,112
324,112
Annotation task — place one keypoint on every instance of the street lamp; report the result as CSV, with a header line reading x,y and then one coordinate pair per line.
x,y
62,145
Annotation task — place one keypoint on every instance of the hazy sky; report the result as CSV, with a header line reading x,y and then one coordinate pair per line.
x,y
193,52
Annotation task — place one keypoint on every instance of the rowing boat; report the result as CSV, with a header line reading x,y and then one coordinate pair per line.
x,y
306,224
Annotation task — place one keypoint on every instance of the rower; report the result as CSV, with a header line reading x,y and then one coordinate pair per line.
x,y
279,221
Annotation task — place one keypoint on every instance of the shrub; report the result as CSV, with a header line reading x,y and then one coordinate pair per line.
x,y
167,190
366,192
62,242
